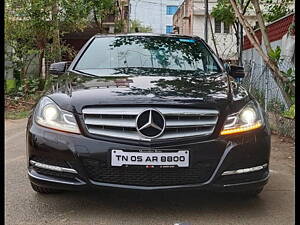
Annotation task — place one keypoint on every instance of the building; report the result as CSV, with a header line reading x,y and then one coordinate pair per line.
x,y
190,20
158,14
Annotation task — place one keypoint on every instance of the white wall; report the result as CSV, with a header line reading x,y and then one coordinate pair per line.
x,y
153,13
261,79
225,42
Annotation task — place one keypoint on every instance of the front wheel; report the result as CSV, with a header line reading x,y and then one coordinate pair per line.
x,y
43,190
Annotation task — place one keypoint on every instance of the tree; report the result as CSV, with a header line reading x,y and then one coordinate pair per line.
x,y
100,9
272,10
137,26
224,12
34,28
276,9
279,78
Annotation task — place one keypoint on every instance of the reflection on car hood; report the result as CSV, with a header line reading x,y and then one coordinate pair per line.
x,y
73,91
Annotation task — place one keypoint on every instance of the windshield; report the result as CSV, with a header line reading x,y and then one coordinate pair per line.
x,y
157,54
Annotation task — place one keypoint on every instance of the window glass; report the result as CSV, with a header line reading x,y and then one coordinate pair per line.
x,y
147,52
171,9
226,28
217,26
169,29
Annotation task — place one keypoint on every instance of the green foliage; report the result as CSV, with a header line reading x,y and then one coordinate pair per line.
x,y
275,54
290,75
276,9
32,26
16,115
135,24
119,26
27,87
275,106
100,9
290,113
223,11
258,95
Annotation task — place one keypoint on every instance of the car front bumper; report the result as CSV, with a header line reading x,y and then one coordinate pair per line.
x,y
218,156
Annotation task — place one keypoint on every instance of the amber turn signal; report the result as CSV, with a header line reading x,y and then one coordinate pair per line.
x,y
241,129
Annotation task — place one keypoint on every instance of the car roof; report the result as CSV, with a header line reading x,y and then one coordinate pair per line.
x,y
148,34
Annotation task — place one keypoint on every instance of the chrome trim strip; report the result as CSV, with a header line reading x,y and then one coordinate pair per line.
x,y
110,122
135,136
190,123
46,178
50,167
137,110
245,170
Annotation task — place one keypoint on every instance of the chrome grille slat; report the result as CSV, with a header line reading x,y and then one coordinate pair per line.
x,y
121,121
137,110
190,123
110,122
112,110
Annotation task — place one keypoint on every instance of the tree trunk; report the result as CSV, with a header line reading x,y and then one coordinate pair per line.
x,y
56,33
277,75
97,21
261,24
41,56
213,36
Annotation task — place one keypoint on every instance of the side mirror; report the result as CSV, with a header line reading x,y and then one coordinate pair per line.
x,y
58,68
227,68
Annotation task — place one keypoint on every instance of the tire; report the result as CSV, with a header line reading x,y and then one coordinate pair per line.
x,y
43,190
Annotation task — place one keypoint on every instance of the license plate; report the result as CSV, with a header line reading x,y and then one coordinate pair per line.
x,y
179,158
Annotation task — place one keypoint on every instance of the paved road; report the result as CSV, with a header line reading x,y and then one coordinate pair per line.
x,y
274,206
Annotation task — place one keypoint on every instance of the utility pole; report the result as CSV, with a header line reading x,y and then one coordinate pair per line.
x,y
241,40
206,20
128,23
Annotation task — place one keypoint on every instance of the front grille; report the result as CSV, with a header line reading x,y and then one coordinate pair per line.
x,y
142,176
121,121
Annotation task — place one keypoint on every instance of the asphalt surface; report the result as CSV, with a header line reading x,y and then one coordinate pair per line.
x,y
275,205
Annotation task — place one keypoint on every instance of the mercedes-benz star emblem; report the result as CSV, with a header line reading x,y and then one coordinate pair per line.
x,y
150,123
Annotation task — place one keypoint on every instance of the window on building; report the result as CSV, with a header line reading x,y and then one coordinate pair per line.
x,y
169,29
171,9
226,28
217,26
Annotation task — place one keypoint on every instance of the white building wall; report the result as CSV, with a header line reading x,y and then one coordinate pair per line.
x,y
225,42
153,13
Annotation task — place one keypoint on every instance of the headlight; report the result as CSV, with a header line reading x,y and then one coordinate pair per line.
x,y
49,115
249,118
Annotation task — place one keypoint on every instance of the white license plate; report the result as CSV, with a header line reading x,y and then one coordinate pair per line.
x,y
120,158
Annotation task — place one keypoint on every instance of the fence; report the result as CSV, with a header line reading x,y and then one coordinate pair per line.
x,y
261,84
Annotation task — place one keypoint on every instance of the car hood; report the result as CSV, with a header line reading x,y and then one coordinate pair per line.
x,y
73,91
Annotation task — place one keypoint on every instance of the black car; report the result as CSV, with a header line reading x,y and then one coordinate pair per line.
x,y
149,112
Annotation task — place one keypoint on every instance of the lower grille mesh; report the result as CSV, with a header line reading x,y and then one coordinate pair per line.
x,y
54,173
141,176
